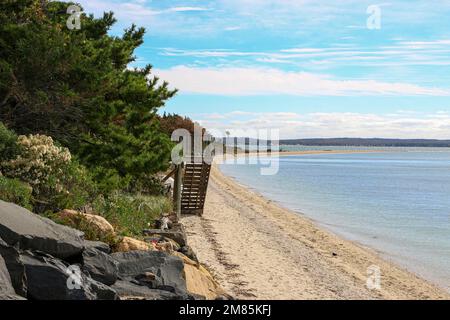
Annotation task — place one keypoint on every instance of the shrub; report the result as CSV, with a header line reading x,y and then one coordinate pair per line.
x,y
39,163
8,144
57,181
15,191
78,190
130,214
150,186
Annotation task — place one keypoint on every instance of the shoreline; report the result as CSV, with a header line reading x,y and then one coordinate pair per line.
x,y
259,250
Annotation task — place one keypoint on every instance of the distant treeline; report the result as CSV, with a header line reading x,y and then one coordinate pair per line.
x,y
372,142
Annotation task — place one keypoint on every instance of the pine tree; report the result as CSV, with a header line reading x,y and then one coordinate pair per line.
x,y
76,86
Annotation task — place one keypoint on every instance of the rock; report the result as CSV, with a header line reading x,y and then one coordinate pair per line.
x,y
176,233
148,277
48,279
102,291
6,286
96,221
186,260
51,279
163,244
6,296
130,244
15,268
200,282
98,245
168,269
164,223
20,227
100,266
187,251
132,291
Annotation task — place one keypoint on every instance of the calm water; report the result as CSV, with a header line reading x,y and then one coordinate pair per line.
x,y
397,203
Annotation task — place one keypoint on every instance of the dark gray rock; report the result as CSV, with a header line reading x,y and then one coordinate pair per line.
x,y
100,266
15,268
52,279
128,290
168,269
177,234
18,226
6,288
102,291
5,279
49,279
188,252
101,246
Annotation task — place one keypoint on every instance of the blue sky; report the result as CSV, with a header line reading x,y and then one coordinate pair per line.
x,y
309,68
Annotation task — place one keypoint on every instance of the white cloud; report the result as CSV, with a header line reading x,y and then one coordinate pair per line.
x,y
263,81
186,9
335,124
400,53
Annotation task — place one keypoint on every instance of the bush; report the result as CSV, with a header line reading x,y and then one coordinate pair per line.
x,y
78,190
131,214
150,186
39,163
8,144
15,191
57,181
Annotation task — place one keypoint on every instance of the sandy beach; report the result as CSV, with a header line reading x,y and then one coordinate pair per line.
x,y
259,250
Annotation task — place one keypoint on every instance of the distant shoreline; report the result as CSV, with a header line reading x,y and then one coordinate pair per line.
x,y
368,142
218,159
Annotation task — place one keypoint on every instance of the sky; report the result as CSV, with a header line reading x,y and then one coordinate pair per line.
x,y
310,68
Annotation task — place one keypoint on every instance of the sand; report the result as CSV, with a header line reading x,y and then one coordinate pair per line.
x,y
258,250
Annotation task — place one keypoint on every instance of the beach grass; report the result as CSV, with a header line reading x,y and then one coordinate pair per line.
x,y
131,213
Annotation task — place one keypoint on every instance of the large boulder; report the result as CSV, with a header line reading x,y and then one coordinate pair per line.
x,y
188,252
5,280
177,234
102,291
20,227
131,244
100,266
52,279
15,268
98,245
167,269
132,291
6,288
97,222
200,282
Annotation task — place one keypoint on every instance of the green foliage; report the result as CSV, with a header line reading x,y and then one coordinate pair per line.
x,y
149,186
15,191
130,214
79,190
74,85
8,144
57,181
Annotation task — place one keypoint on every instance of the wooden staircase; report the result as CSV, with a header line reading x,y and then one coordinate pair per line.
x,y
194,187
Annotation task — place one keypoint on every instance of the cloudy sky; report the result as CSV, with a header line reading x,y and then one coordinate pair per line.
x,y
309,68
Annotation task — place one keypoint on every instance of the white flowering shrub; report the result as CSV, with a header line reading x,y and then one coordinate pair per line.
x,y
40,163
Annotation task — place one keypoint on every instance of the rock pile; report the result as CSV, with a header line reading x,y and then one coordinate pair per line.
x,y
42,260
